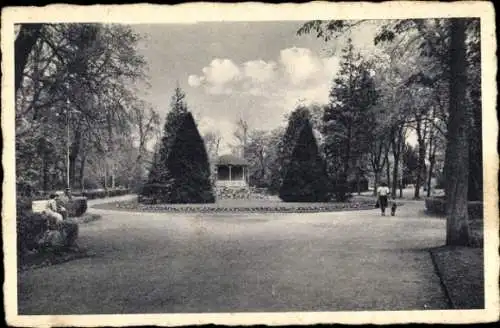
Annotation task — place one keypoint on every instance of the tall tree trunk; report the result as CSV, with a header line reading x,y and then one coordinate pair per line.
x,y
421,157
25,41
358,181
388,169
73,156
395,174
457,150
82,172
396,153
376,182
45,173
432,153
401,189
432,161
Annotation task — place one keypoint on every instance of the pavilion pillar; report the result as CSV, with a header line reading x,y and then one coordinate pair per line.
x,y
230,178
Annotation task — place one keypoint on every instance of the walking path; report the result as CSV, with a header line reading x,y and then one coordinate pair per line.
x,y
164,263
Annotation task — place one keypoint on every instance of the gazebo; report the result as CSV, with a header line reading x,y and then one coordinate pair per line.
x,y
232,171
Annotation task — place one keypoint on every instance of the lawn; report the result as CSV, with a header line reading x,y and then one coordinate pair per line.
x,y
462,273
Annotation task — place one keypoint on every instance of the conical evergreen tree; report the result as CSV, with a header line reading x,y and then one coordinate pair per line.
x,y
188,177
305,178
296,121
178,107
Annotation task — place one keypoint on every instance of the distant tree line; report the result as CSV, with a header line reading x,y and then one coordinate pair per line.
x,y
74,92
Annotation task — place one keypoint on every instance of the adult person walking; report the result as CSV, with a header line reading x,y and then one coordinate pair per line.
x,y
383,193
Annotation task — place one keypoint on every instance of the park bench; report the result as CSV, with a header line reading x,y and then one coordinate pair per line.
x,y
38,206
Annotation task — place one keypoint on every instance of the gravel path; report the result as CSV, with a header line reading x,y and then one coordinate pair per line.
x,y
164,263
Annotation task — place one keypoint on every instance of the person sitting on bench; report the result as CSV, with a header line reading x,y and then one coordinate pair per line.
x,y
53,210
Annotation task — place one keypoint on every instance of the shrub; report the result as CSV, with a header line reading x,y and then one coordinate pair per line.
x,y
76,206
437,206
101,193
29,228
153,193
33,233
341,188
70,229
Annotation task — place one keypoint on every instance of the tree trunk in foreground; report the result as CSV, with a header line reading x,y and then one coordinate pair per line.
x,y
457,150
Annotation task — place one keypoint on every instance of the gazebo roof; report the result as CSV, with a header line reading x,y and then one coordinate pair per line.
x,y
231,160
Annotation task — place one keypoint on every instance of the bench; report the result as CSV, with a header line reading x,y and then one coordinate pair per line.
x,y
38,206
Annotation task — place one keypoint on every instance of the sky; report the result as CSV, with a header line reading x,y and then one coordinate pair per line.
x,y
257,71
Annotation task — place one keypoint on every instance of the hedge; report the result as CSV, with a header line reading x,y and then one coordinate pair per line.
x,y
101,193
437,206
32,230
151,193
77,206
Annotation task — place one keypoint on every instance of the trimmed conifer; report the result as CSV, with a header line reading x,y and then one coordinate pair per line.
x,y
187,177
305,177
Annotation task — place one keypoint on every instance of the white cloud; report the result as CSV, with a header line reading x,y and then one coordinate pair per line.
x,y
300,64
298,74
221,71
218,90
195,80
259,70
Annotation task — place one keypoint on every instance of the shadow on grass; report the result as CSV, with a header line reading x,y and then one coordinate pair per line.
x,y
48,257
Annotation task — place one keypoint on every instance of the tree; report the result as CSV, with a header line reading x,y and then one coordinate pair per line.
x,y
378,148
188,179
25,41
241,135
296,120
442,43
410,164
305,178
178,108
145,123
457,149
272,176
76,76
348,121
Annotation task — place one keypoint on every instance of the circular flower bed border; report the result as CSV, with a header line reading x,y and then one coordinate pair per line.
x,y
213,208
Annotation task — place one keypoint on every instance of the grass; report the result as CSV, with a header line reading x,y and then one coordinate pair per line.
x,y
47,257
88,217
241,205
461,270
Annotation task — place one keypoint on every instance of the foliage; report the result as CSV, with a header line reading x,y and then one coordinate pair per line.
x,y
33,232
296,121
29,227
181,171
188,167
437,206
178,108
348,121
101,193
76,206
305,178
75,78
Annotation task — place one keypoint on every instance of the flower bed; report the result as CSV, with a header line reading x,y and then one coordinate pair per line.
x,y
437,206
241,207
